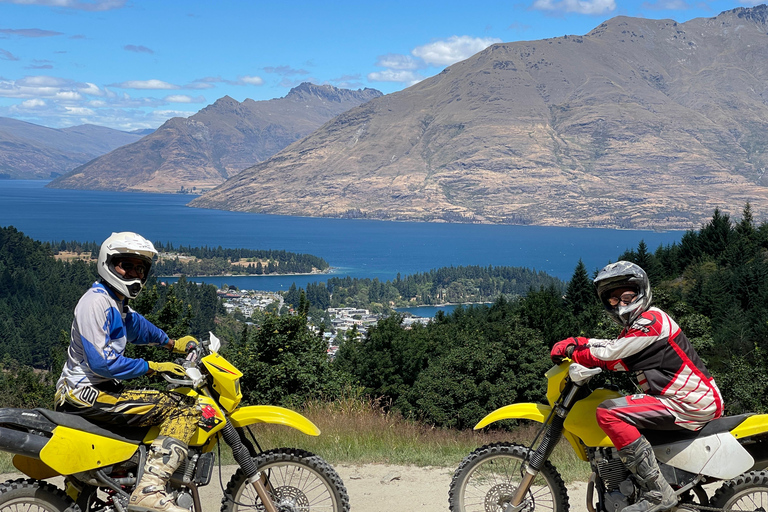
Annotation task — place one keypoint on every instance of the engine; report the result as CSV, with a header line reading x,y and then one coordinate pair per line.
x,y
619,488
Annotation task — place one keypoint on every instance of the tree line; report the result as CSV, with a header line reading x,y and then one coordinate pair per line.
x,y
460,284
212,260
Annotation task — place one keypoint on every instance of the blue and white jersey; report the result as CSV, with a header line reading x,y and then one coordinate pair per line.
x,y
100,331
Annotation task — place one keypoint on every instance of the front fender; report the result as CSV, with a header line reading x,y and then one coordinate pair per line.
x,y
535,412
272,414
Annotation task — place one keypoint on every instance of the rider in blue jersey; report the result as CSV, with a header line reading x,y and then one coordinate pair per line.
x,y
91,380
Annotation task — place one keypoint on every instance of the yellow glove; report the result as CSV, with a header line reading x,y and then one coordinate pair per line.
x,y
180,345
172,368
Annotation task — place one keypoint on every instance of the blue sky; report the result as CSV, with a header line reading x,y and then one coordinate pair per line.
x,y
131,64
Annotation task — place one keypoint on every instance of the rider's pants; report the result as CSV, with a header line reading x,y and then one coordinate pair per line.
x,y
620,418
175,414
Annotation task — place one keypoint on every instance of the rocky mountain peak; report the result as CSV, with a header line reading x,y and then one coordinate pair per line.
x,y
308,90
758,14
201,151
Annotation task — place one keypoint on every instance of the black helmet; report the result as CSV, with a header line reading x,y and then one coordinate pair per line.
x,y
624,274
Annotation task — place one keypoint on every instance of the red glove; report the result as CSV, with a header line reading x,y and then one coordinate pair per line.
x,y
563,349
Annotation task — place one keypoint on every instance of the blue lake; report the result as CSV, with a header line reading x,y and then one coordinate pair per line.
x,y
358,248
429,311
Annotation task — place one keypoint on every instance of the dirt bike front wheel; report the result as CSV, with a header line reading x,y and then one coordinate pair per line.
x,y
745,492
300,482
486,480
32,496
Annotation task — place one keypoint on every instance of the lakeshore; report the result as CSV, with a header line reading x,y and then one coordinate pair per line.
x,y
355,247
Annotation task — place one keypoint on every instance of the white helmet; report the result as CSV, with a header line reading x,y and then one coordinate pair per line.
x,y
125,245
624,274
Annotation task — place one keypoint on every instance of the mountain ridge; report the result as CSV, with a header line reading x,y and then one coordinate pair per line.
x,y
641,124
31,151
203,150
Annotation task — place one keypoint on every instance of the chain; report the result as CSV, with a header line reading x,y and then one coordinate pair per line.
x,y
696,506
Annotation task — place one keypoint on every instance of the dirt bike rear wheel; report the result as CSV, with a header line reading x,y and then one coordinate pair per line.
x,y
748,491
488,477
33,496
301,482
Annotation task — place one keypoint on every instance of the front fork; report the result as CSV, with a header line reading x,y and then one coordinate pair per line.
x,y
551,437
243,457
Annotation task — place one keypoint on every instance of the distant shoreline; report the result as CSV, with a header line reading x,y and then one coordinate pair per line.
x,y
319,272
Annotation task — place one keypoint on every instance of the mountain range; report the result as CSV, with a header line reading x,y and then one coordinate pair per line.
x,y
641,123
29,151
197,153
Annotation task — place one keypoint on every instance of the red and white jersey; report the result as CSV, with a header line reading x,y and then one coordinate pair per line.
x,y
665,365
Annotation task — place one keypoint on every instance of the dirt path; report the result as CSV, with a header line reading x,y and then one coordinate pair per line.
x,y
378,488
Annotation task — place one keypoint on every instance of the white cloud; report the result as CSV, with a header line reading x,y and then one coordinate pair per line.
x,y
249,80
68,96
164,115
454,49
33,104
391,75
79,111
183,98
397,61
146,84
90,89
57,102
577,6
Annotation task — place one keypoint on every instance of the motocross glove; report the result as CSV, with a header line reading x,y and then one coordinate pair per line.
x,y
170,368
563,349
182,345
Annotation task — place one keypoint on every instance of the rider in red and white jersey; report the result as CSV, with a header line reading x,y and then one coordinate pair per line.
x,y
678,391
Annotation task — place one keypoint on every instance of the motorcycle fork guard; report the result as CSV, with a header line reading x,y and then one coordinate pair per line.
x,y
259,483
522,490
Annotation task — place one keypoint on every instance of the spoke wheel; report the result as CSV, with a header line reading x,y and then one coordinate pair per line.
x,y
488,478
298,481
33,496
745,492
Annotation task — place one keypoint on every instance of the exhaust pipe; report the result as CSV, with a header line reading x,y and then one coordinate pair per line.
x,y
21,443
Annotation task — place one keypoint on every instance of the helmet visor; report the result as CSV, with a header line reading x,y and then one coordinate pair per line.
x,y
130,268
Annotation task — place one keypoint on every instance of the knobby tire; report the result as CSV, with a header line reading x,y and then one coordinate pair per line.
x,y
28,495
488,477
748,491
302,482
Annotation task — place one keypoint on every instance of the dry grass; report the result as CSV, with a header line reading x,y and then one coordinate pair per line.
x,y
363,432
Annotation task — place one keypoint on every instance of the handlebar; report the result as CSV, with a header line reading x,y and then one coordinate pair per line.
x,y
195,354
580,374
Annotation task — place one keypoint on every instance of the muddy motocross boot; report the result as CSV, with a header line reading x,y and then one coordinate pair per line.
x,y
657,495
165,455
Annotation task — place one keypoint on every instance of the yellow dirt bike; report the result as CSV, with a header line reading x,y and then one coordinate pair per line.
x,y
102,463
508,477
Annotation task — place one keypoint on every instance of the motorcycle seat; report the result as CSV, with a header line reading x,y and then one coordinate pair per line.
x,y
724,424
133,435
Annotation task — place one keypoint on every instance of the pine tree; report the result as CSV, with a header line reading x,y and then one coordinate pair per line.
x,y
580,293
